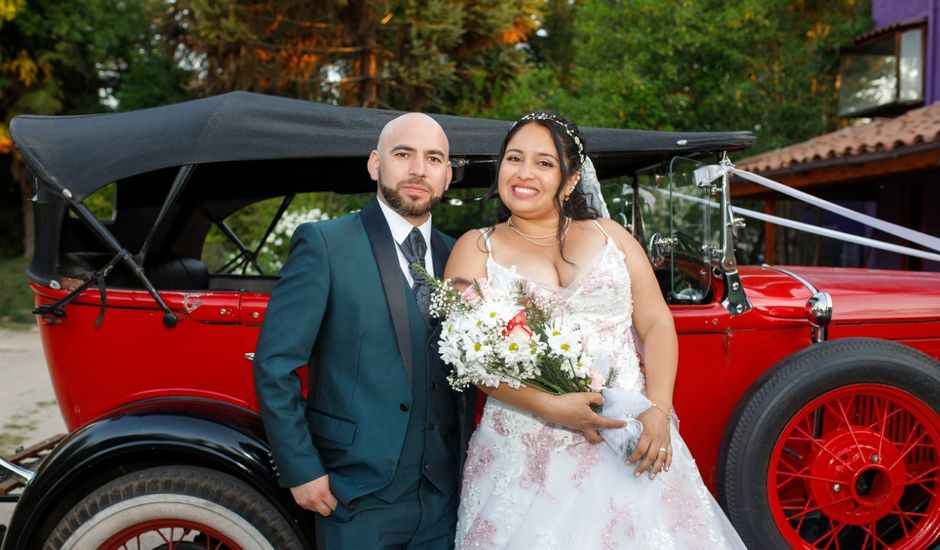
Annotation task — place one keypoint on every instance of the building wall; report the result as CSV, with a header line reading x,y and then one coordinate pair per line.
x,y
889,12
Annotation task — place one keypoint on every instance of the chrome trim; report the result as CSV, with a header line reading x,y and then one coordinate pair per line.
x,y
818,307
735,301
659,246
728,264
22,473
809,286
819,314
250,356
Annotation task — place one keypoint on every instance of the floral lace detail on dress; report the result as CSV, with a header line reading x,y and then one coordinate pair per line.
x,y
585,453
481,535
539,448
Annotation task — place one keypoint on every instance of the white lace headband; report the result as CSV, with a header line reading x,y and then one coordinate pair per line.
x,y
554,118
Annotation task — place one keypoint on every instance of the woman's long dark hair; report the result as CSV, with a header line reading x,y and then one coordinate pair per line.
x,y
576,205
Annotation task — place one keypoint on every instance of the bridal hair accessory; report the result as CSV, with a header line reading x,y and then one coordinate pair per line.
x,y
591,188
554,118
588,182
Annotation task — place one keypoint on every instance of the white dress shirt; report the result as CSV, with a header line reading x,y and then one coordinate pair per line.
x,y
400,228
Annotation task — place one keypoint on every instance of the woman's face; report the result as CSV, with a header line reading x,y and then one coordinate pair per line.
x,y
530,173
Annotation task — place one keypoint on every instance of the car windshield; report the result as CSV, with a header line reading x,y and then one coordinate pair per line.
x,y
678,223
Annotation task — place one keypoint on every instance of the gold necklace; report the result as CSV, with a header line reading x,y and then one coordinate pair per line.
x,y
532,238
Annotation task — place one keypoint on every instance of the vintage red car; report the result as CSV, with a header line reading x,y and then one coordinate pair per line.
x,y
809,396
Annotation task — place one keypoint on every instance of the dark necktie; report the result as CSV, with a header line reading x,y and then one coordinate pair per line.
x,y
414,248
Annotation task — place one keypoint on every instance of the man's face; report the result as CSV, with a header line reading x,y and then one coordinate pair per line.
x,y
411,165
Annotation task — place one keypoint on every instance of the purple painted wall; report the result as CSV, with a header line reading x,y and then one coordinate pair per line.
x,y
889,12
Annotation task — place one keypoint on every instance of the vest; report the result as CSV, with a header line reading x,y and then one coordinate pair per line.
x,y
431,440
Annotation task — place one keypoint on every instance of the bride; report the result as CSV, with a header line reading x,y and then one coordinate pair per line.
x,y
534,475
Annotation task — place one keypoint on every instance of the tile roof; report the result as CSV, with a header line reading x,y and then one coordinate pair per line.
x,y
881,135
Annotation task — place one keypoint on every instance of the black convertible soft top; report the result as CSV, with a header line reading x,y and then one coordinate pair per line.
x,y
222,153
84,153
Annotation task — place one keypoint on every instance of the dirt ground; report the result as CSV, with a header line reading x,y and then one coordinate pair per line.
x,y
28,408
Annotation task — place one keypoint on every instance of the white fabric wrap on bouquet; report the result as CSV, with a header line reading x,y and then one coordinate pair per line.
x,y
624,404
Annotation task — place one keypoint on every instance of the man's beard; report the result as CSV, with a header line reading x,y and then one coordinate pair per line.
x,y
412,210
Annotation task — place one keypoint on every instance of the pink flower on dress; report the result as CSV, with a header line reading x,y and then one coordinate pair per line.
x,y
479,459
538,454
621,519
586,454
499,423
482,534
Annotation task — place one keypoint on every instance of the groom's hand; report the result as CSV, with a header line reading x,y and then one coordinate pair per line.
x,y
315,495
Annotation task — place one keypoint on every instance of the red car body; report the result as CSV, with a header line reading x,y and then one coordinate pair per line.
x,y
720,356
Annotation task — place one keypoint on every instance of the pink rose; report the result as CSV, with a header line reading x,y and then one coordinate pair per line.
x,y
470,294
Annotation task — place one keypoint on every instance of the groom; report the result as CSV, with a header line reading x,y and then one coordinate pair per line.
x,y
376,447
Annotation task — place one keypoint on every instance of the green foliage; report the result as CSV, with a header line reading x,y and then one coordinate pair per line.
x,y
152,79
16,299
768,66
72,58
250,224
412,54
57,55
764,65
101,203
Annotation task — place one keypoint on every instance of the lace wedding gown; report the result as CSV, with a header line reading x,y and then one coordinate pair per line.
x,y
530,484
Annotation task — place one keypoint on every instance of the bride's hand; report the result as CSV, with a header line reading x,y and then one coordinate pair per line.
x,y
573,410
654,449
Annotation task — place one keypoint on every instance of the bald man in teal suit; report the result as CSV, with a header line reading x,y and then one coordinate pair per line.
x,y
376,448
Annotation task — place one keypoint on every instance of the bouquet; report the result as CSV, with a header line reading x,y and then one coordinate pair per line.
x,y
490,338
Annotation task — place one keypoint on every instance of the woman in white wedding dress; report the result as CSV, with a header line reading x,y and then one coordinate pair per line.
x,y
535,475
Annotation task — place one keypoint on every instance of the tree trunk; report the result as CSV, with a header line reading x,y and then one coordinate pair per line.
x,y
21,177
368,59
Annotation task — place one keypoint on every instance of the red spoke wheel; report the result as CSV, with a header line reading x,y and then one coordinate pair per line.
x,y
174,508
859,463
837,447
169,534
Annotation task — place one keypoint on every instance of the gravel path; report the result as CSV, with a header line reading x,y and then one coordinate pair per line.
x,y
28,411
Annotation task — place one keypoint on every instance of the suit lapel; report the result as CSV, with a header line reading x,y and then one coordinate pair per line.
x,y
383,248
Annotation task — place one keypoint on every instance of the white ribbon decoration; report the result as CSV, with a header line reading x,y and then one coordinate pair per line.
x,y
831,233
707,174
905,233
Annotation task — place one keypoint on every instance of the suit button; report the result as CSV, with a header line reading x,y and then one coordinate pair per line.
x,y
404,407
433,385
427,467
430,426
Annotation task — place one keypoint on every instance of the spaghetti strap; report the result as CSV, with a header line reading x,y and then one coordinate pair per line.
x,y
485,231
599,228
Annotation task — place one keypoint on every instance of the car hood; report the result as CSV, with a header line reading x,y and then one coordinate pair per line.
x,y
858,295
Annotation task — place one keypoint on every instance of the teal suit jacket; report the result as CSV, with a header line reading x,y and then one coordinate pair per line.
x,y
339,305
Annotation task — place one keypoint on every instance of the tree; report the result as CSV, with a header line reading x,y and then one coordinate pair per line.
x,y
764,65
66,58
411,54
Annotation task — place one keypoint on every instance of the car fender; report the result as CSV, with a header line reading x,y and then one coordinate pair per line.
x,y
143,434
